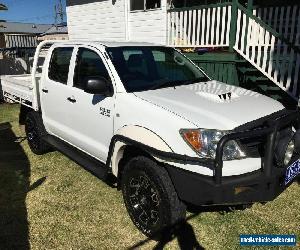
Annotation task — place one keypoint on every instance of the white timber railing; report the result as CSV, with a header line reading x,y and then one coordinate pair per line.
x,y
203,26
268,51
284,20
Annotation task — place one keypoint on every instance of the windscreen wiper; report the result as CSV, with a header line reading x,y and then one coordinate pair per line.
x,y
177,83
199,79
161,84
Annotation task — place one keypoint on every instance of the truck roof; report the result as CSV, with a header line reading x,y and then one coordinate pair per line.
x,y
106,43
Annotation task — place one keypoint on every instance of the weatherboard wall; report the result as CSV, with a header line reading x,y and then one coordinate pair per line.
x,y
96,20
113,20
149,26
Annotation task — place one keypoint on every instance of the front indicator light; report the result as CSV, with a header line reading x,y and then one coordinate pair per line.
x,y
192,137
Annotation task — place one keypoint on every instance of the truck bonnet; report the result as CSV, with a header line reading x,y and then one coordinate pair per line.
x,y
212,104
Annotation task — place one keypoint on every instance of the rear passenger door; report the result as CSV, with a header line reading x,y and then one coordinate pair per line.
x,y
91,116
55,92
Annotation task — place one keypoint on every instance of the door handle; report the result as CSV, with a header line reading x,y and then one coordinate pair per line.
x,y
71,99
45,90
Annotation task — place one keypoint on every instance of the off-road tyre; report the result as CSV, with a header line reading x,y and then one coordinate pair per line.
x,y
150,197
35,131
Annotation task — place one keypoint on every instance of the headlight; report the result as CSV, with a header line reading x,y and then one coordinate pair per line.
x,y
289,153
204,142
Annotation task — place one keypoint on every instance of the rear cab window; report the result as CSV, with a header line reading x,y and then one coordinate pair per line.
x,y
59,64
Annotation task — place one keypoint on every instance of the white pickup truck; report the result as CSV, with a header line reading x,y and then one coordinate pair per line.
x,y
151,118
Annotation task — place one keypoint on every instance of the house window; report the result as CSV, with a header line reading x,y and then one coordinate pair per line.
x,y
144,4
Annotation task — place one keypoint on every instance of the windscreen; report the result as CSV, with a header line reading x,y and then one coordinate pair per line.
x,y
146,68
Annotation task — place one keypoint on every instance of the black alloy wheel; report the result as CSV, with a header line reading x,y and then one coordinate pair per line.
x,y
150,197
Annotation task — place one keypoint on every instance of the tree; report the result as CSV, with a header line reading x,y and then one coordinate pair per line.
x,y
2,7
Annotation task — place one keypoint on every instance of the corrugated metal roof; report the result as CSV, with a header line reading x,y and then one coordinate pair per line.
x,y
56,30
23,28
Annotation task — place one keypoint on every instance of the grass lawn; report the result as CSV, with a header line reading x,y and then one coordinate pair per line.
x,y
49,202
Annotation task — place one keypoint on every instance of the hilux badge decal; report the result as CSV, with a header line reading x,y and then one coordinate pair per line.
x,y
105,112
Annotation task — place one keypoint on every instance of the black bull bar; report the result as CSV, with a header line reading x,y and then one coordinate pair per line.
x,y
265,126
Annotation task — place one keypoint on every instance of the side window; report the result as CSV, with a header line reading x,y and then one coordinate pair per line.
x,y
144,4
59,64
88,64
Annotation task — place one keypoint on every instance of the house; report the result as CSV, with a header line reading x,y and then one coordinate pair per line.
x,y
20,35
56,32
17,45
251,43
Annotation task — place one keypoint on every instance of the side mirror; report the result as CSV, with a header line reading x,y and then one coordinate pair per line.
x,y
97,86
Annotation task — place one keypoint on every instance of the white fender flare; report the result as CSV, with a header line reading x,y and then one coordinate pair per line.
x,y
139,134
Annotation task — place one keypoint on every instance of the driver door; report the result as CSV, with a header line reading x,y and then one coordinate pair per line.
x,y
91,116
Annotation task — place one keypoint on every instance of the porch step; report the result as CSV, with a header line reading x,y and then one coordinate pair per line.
x,y
271,91
245,70
268,88
257,78
252,78
276,97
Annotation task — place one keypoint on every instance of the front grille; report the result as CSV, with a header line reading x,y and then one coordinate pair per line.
x,y
255,147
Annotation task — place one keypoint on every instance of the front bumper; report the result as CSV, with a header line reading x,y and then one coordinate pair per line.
x,y
252,187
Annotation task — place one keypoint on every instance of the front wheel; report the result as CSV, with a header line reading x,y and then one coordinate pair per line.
x,y
150,197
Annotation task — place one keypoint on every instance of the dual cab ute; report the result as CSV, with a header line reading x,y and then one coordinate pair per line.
x,y
151,118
